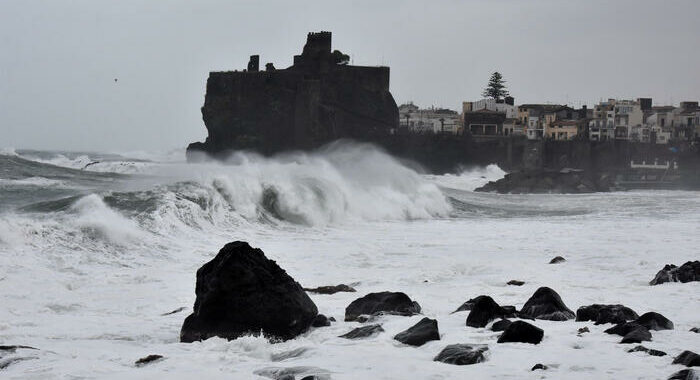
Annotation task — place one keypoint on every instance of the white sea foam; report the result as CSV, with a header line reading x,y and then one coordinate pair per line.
x,y
8,151
87,283
470,179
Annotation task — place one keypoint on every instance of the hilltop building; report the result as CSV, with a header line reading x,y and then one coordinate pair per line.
x,y
320,98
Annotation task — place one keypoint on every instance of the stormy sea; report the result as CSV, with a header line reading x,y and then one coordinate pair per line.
x,y
98,256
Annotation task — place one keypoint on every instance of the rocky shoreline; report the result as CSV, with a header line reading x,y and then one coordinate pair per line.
x,y
565,181
241,292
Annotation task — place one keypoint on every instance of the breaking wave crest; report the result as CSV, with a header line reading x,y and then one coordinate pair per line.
x,y
343,182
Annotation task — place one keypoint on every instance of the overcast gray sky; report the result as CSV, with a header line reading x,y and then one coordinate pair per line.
x,y
58,59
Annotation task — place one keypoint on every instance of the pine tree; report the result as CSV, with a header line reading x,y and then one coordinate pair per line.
x,y
496,89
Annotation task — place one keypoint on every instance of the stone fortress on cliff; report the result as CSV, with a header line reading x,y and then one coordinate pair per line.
x,y
319,99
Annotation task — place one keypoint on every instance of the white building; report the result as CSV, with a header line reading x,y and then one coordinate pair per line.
x,y
506,106
431,120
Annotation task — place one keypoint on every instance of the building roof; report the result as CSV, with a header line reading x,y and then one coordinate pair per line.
x,y
663,108
565,122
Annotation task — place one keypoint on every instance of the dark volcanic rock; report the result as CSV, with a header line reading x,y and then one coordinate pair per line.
x,y
686,374
546,304
394,303
363,332
654,321
539,181
605,314
687,272
557,260
501,325
14,348
539,366
520,331
516,283
509,311
688,359
306,372
623,329
148,359
638,335
242,292
469,304
483,311
420,333
321,321
179,309
462,354
331,289
649,351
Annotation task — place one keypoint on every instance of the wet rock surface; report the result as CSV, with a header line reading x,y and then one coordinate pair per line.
x,y
539,181
685,374
557,260
483,311
331,289
523,332
623,329
546,304
9,355
501,325
649,351
690,271
147,360
321,321
243,292
394,303
420,333
654,321
363,332
688,359
638,335
286,373
462,354
601,314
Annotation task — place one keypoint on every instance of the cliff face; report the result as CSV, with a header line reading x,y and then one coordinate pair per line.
x,y
317,100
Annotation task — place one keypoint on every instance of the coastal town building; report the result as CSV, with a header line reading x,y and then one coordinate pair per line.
x,y
687,121
432,120
506,106
565,129
491,117
540,119
485,122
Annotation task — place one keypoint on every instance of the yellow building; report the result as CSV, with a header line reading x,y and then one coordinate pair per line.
x,y
563,129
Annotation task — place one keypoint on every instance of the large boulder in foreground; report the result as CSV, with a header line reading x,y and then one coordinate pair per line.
x,y
462,354
394,303
420,333
601,314
687,272
523,332
243,292
546,304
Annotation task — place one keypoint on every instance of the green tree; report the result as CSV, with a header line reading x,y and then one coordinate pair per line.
x,y
340,58
496,89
